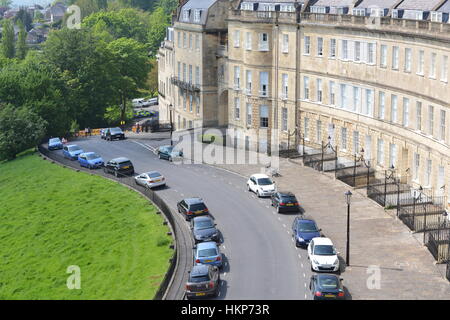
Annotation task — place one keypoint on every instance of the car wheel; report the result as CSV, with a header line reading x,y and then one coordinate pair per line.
x,y
104,170
170,159
258,194
159,155
278,209
248,187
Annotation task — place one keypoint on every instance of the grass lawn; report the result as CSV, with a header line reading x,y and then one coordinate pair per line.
x,y
53,218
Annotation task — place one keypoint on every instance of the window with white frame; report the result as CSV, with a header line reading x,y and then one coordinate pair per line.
x,y
185,15
320,46
356,99
287,8
190,42
419,115
318,9
395,57
263,84
197,105
197,42
430,120
441,180
433,66
284,86
237,108
332,48
306,88
197,75
428,173
246,6
369,102
197,14
332,93
408,59
248,41
395,13
421,62
394,106
307,45
344,138
249,114
343,95
380,152
416,166
444,69
371,53
264,42
264,116
392,155
191,102
368,147
355,142
248,81
436,16
285,46
236,38
318,131
383,56
184,72
184,40
381,105
190,74
237,77
306,128
442,125
284,119
405,118
179,70
344,54
319,90
357,55
359,12
179,39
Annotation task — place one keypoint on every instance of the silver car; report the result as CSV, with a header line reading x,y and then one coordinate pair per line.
x,y
150,179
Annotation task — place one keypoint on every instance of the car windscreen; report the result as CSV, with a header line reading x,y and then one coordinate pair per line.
x,y
324,250
203,224
197,207
288,199
328,282
125,163
116,130
264,182
154,174
92,156
199,278
74,148
307,227
55,140
207,253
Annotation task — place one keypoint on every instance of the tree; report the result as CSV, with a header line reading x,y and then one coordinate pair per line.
x,y
158,23
168,6
20,129
8,39
5,3
131,66
25,17
146,5
21,46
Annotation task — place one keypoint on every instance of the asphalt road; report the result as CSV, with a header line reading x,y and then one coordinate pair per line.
x,y
261,260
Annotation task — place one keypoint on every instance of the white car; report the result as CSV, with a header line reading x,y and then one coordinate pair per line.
x,y
323,255
261,184
150,179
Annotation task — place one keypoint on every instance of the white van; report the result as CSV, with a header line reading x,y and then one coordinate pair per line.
x,y
138,103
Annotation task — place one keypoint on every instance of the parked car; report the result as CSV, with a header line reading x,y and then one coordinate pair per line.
x,y
203,281
285,202
114,133
323,255
119,166
138,103
152,101
90,160
207,253
72,151
326,287
261,184
150,179
204,229
169,153
304,230
55,144
192,207
103,133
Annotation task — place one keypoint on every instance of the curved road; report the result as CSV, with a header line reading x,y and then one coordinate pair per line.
x,y
261,259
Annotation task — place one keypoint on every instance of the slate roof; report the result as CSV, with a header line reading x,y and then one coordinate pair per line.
x,y
422,5
445,7
382,4
333,3
191,5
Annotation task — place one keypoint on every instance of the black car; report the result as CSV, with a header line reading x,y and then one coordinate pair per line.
x,y
114,133
192,207
285,202
119,166
326,287
204,280
204,229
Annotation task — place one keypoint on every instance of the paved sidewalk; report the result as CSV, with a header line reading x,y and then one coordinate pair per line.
x,y
379,241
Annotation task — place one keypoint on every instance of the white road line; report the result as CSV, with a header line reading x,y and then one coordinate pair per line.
x,y
182,194
287,231
304,275
267,207
279,218
299,256
150,148
306,296
301,264
224,247
284,225
305,284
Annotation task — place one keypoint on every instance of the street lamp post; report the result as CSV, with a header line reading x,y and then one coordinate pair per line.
x,y
171,125
348,196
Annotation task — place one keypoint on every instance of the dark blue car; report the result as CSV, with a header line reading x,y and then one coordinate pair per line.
x,y
55,144
303,230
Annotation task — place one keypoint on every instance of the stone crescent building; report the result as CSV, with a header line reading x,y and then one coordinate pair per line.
x,y
369,76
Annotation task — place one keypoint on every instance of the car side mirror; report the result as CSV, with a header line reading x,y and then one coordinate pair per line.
x,y
320,230
194,247
215,224
341,279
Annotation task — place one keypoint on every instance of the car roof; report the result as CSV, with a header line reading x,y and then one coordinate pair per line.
x,y
202,218
322,241
71,145
305,220
286,194
199,270
259,176
206,245
90,152
149,172
194,200
327,275
120,159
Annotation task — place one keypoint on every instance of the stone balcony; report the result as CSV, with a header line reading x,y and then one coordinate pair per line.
x,y
263,16
184,85
222,51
